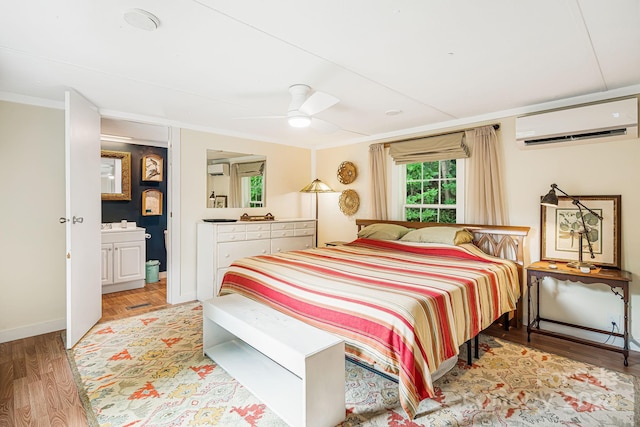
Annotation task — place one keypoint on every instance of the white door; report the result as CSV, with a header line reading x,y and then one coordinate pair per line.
x,y
83,215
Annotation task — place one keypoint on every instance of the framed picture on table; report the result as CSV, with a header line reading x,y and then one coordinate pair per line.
x,y
561,227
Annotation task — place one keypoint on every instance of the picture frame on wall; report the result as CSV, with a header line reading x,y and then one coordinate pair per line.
x,y
220,202
151,202
152,168
559,228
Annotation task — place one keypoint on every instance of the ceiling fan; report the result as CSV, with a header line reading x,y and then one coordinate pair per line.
x,y
304,105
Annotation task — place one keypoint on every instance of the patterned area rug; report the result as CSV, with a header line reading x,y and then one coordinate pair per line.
x,y
149,370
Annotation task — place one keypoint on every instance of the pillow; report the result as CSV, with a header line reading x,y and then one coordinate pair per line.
x,y
383,231
448,235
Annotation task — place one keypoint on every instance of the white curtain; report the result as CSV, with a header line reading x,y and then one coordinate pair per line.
x,y
235,187
378,181
485,196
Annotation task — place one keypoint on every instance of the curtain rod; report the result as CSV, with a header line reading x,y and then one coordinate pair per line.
x,y
496,126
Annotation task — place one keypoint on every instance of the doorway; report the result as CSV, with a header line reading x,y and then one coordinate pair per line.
x,y
145,144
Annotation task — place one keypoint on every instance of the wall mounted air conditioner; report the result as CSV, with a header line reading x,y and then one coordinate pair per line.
x,y
611,120
218,169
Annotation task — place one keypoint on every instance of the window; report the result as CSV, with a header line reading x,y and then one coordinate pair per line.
x,y
433,191
256,200
252,190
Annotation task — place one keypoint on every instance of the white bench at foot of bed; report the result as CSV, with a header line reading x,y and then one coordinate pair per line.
x,y
295,369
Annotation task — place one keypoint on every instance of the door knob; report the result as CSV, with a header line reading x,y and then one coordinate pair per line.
x,y
78,219
63,220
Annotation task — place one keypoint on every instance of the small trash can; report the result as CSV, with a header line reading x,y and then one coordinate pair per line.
x,y
152,268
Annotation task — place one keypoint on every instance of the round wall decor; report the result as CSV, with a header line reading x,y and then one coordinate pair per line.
x,y
349,202
347,172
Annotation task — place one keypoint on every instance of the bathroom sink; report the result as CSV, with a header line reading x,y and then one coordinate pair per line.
x,y
114,227
120,229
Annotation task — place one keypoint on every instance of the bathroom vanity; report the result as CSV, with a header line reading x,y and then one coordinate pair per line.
x,y
123,257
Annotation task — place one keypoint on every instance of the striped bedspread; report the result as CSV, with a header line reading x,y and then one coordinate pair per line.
x,y
404,308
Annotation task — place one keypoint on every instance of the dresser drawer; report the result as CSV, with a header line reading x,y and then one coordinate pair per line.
x,y
253,235
259,227
304,232
232,228
282,233
282,226
231,251
291,244
305,225
231,237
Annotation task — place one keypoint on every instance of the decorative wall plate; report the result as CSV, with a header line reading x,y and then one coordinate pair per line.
x,y
347,172
349,202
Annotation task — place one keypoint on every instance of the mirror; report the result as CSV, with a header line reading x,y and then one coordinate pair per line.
x,y
235,180
115,175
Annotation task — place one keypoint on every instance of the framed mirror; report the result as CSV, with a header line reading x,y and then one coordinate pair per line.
x,y
115,175
235,180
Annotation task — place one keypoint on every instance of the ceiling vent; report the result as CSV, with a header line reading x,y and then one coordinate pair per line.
x,y
612,120
218,169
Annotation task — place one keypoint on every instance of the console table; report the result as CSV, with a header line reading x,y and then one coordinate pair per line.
x,y
616,279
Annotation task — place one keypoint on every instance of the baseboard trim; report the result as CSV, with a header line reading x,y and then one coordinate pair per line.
x,y
33,330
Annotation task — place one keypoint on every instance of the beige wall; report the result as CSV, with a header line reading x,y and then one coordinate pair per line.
x,y
605,168
32,241
288,170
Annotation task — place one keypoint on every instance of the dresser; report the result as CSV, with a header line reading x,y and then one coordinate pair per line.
x,y
219,244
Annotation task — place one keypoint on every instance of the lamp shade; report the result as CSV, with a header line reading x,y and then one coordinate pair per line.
x,y
317,186
550,199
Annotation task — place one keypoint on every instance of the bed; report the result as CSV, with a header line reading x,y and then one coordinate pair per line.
x,y
403,305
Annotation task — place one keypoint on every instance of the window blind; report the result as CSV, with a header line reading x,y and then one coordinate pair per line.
x,y
431,149
250,169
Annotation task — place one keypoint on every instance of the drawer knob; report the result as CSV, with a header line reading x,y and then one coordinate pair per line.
x,y
226,256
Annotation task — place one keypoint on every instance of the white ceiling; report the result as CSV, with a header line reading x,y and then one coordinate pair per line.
x,y
211,63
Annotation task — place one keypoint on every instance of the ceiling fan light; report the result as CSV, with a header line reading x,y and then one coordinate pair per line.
x,y
299,121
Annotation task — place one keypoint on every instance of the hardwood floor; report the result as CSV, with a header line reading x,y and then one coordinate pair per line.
x,y
38,389
130,303
580,352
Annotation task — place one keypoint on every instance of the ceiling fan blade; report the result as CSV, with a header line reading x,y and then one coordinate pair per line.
x,y
317,102
323,126
258,117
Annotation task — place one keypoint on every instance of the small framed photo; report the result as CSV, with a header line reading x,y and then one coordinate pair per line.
x,y
561,226
151,202
152,168
220,202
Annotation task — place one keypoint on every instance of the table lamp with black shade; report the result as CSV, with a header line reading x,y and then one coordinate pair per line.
x,y
551,199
